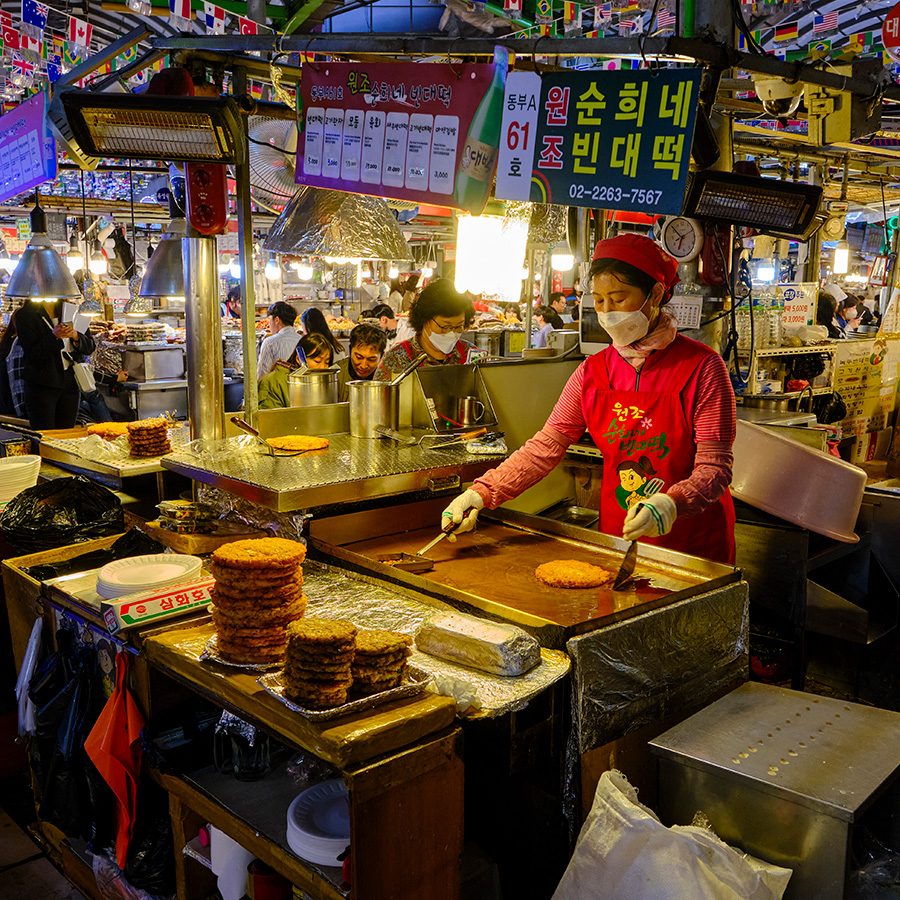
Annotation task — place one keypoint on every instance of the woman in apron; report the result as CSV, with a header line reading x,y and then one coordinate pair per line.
x,y
660,407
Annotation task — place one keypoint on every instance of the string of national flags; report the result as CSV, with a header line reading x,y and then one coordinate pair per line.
x,y
213,17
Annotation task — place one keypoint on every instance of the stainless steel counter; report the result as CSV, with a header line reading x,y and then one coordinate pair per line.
x,y
774,417
351,469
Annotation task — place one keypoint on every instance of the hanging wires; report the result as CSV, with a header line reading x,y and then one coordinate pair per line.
x,y
741,24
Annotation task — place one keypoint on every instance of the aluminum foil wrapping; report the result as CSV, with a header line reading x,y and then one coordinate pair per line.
x,y
370,603
672,660
493,647
233,725
548,223
319,222
230,508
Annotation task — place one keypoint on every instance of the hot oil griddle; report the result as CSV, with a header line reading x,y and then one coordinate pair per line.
x,y
493,569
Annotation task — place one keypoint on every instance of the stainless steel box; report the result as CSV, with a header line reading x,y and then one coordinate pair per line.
x,y
783,775
153,365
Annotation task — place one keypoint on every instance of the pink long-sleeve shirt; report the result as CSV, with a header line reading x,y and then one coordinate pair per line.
x,y
714,422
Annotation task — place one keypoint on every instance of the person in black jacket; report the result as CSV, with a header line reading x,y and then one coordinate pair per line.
x,y
50,346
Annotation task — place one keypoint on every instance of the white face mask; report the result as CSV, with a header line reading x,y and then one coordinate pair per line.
x,y
625,327
444,342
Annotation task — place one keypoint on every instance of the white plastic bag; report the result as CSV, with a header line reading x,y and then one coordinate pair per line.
x,y
624,851
29,662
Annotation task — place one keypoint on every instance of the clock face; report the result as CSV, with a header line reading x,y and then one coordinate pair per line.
x,y
682,238
833,228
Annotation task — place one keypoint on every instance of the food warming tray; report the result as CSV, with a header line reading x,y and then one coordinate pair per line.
x,y
492,570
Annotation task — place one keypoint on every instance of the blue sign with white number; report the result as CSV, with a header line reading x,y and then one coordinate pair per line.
x,y
607,139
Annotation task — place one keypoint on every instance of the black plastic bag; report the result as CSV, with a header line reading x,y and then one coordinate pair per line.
x,y
150,864
62,511
133,543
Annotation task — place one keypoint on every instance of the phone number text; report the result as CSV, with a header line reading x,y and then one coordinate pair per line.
x,y
600,193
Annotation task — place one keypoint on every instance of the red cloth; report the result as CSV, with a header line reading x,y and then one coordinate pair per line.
x,y
642,253
645,435
114,747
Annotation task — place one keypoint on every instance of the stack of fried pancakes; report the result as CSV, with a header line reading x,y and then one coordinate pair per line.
x,y
149,437
379,662
258,593
317,665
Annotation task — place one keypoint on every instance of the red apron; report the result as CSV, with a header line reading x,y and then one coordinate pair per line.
x,y
648,445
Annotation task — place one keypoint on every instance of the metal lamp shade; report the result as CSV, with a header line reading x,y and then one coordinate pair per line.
x,y
41,273
331,223
164,273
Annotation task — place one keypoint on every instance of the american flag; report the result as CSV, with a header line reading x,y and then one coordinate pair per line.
x,y
826,22
665,18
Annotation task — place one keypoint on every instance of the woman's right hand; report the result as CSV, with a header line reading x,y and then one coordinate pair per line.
x,y
463,513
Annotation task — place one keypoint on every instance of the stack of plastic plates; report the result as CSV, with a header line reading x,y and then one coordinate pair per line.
x,y
145,573
16,474
318,823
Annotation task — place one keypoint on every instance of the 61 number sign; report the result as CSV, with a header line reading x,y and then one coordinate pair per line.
x,y
517,134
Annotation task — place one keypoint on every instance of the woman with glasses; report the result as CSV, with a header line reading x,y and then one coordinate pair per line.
x,y
655,402
438,317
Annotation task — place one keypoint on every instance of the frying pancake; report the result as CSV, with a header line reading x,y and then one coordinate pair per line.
x,y
572,573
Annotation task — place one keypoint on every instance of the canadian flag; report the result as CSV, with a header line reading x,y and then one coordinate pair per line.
x,y
30,44
80,32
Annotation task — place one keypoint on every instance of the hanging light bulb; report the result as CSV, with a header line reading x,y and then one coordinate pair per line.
x,y
90,307
841,258
393,272
234,270
74,258
98,264
366,272
272,270
304,271
561,259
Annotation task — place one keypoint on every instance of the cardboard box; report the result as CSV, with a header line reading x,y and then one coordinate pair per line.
x,y
154,607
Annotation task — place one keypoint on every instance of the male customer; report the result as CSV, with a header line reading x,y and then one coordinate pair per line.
x,y
282,340
367,345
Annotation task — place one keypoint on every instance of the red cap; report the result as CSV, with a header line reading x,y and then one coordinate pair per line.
x,y
643,254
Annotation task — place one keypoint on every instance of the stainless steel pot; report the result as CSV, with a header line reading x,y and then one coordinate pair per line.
x,y
373,403
778,402
313,387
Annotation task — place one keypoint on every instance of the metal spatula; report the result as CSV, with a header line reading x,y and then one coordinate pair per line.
x,y
626,570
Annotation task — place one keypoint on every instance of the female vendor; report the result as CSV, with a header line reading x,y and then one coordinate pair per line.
x,y
659,405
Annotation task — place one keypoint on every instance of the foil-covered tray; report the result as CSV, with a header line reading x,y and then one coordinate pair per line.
x,y
211,654
417,681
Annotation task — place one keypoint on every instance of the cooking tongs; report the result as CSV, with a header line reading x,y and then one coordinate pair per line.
x,y
418,562
270,450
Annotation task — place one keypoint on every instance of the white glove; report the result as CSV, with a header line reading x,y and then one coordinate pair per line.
x,y
463,511
653,516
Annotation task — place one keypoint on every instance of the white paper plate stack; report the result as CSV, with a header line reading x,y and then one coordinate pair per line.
x,y
16,474
318,823
145,573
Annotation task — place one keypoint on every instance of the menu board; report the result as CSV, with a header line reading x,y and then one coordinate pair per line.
x,y
27,149
866,377
425,132
798,302
609,139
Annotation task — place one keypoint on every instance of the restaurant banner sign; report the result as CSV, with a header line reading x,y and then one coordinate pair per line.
x,y
424,132
601,139
27,149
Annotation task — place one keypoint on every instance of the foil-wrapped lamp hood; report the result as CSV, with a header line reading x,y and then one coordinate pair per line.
x,y
319,222
164,272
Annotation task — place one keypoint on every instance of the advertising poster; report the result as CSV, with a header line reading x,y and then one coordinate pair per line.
x,y
610,140
424,132
27,149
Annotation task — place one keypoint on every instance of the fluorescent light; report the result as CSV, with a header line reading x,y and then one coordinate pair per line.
x,y
841,258
272,269
561,260
489,254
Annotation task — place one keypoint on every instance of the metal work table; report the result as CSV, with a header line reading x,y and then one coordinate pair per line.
x,y
349,469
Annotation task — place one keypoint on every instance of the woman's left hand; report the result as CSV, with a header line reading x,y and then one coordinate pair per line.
x,y
654,516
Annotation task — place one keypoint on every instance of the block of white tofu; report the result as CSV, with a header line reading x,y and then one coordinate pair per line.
x,y
493,647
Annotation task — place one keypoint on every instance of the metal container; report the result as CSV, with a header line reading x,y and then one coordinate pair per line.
x,y
373,403
153,365
314,387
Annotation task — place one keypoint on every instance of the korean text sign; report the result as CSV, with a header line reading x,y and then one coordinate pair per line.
x,y
425,132
27,149
608,139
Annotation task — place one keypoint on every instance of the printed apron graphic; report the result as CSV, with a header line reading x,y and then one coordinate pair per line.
x,y
632,429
